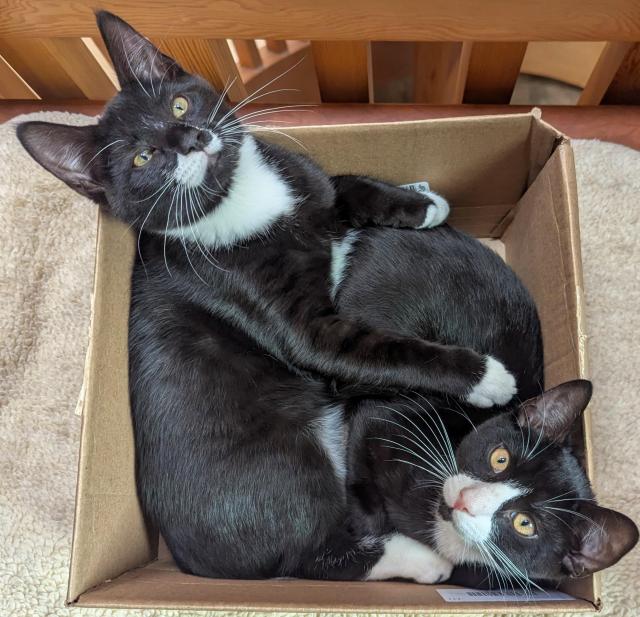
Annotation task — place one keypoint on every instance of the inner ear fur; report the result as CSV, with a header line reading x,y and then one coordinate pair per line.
x,y
602,538
136,59
68,152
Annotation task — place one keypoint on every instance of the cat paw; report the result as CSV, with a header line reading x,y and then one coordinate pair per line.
x,y
437,211
405,557
497,386
436,570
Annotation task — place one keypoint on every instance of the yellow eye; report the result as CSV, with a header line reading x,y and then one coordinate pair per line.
x,y
523,524
143,157
179,106
499,459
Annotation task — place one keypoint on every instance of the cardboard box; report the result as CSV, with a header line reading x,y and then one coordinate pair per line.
x,y
510,179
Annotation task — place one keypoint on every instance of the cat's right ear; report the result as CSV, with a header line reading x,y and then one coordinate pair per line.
x,y
68,152
554,412
135,58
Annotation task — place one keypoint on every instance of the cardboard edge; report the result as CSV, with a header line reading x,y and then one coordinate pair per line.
x,y
532,115
86,377
447,609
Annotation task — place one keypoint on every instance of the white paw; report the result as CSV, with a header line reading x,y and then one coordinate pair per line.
x,y
404,557
497,386
436,570
437,212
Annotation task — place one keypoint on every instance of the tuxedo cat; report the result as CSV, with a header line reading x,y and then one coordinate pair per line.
x,y
506,496
237,326
242,229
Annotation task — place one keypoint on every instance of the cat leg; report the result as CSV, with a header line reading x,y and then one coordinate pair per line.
x,y
372,558
363,201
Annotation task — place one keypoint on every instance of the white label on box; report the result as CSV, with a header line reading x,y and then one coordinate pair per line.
x,y
418,187
492,595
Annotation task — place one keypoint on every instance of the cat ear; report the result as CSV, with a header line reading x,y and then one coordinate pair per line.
x,y
135,58
554,412
602,538
67,152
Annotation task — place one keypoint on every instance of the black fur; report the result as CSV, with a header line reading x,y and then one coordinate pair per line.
x,y
236,351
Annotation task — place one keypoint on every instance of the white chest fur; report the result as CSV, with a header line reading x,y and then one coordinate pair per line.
x,y
258,197
331,434
340,253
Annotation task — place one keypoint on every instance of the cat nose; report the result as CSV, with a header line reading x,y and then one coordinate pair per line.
x,y
185,139
460,503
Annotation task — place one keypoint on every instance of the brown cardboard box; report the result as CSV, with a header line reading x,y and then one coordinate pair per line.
x,y
510,179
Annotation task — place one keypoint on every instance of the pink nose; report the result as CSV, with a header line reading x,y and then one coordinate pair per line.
x,y
460,503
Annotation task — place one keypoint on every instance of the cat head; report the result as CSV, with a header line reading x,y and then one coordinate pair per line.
x,y
521,495
165,136
512,495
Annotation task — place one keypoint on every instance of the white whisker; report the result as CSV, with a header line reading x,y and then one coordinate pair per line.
x,y
100,151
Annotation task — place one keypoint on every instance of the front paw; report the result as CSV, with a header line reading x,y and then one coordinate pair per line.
x,y
405,557
437,211
497,386
436,570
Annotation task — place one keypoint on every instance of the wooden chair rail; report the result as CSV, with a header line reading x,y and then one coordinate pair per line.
x,y
404,20
342,50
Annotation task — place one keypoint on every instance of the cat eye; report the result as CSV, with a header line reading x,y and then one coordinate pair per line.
x,y
523,524
142,158
179,106
499,459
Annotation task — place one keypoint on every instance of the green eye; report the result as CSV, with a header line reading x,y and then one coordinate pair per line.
x,y
179,106
142,158
523,524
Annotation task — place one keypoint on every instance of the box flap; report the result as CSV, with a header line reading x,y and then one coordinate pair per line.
x,y
486,169
161,585
110,535
542,245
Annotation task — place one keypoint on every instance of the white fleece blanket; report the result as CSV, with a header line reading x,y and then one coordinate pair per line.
x,y
46,261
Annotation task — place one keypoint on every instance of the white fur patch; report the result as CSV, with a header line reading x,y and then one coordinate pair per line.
x,y
497,386
404,557
340,253
258,197
437,212
191,169
215,145
331,433
483,500
452,545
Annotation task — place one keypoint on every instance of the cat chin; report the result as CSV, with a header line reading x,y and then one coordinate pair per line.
x,y
472,529
453,545
192,169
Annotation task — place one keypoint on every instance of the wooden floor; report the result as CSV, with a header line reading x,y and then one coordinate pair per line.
x,y
608,123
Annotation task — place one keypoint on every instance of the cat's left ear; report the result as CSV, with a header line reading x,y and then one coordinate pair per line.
x,y
68,152
135,58
554,412
601,539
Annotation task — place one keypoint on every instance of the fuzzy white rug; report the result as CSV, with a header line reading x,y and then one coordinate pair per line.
x,y
46,262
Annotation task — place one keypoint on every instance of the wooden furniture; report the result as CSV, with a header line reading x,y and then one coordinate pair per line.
x,y
329,50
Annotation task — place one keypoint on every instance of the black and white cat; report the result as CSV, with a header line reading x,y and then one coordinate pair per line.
x,y
234,335
244,229
506,493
